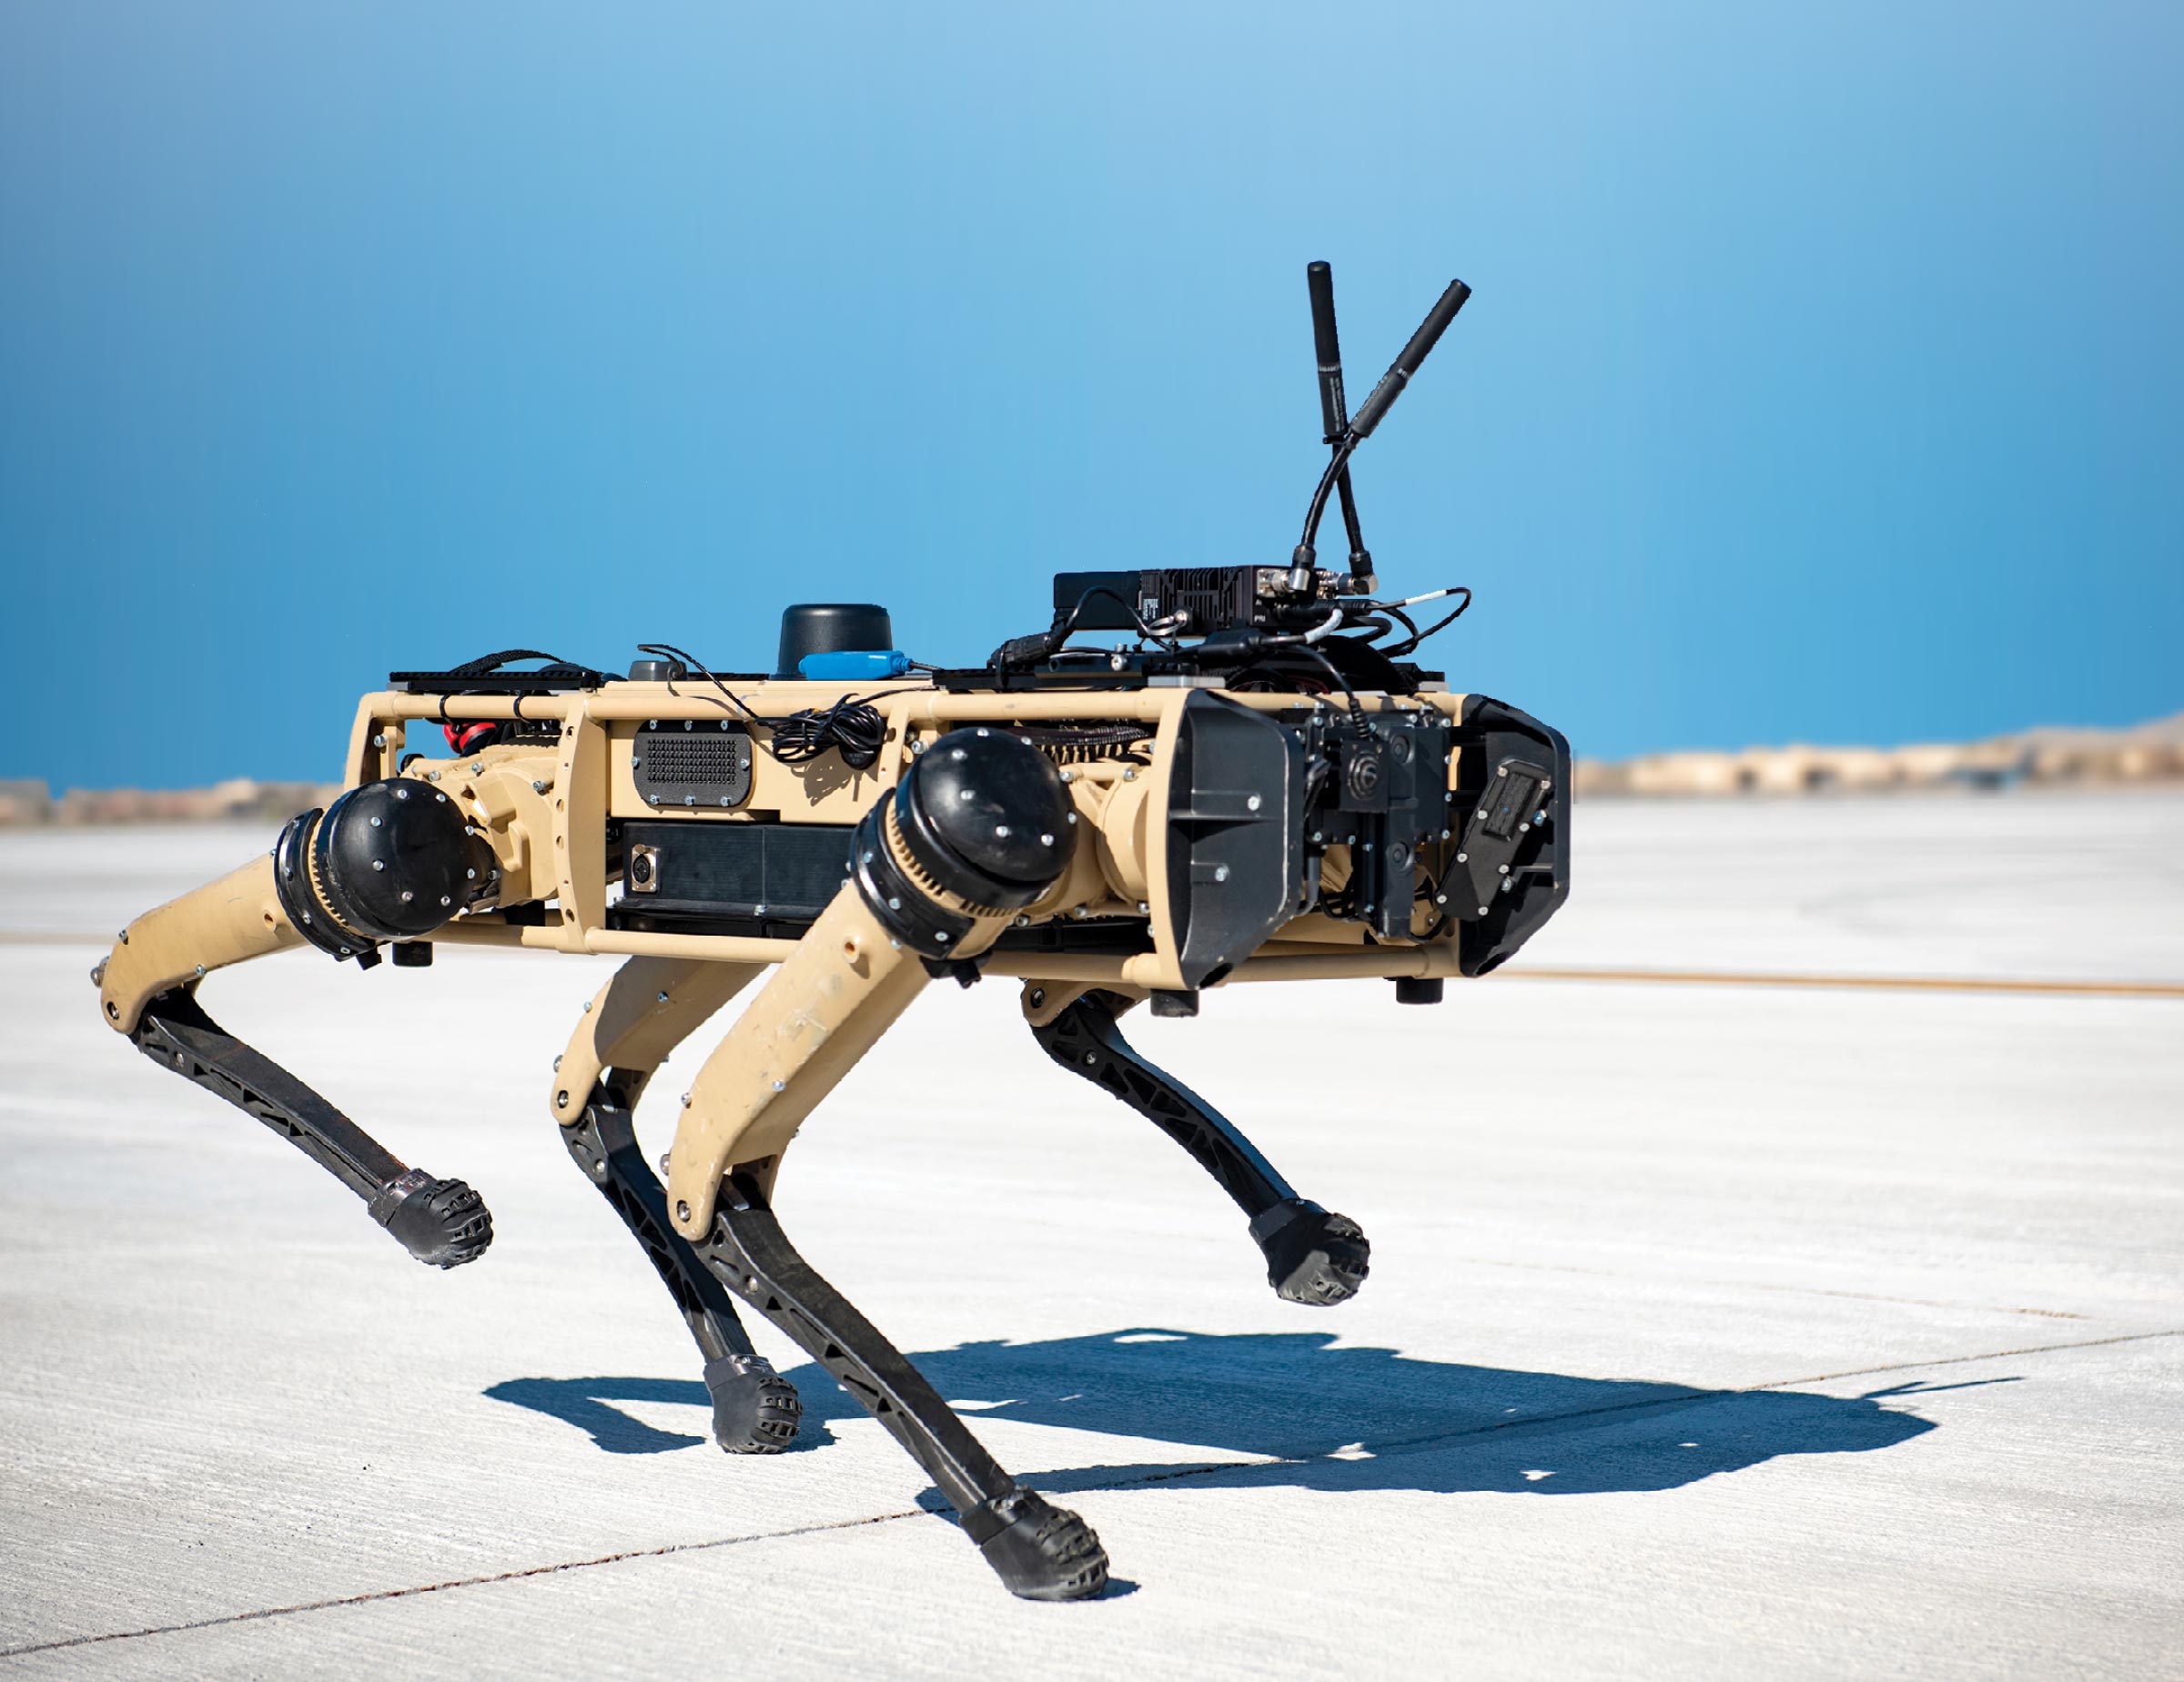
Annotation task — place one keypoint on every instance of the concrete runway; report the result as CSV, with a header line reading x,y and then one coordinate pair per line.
x,y
1713,1330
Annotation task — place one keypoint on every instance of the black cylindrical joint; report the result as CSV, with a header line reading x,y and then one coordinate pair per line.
x,y
393,860
830,628
1418,990
981,816
1383,397
987,816
1320,280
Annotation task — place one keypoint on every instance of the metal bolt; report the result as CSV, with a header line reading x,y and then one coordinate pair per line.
x,y
476,767
1482,811
556,1065
379,741
1463,858
1441,899
1001,832
561,1099
1539,817
378,821
1502,772
1091,1057
469,876
1319,835
688,800
686,1100
1251,805
758,910
781,1086
1369,846
1022,922
1220,873
1523,829
957,753
682,1210
1073,819
445,900
200,970
1069,777
378,864
663,997
1038,996
724,799
1129,774
1046,840
537,786
407,895
894,902
587,1002
1481,911
441,798
1143,907
941,934
1502,869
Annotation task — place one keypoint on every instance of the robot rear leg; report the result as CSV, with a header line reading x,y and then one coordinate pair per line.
x,y
148,984
628,1029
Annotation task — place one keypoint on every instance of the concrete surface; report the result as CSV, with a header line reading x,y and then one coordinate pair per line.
x,y
1713,1331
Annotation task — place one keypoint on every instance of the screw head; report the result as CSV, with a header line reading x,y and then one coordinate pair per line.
x,y
1252,804
1038,996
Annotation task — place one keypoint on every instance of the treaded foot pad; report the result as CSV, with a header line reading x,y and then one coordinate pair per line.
x,y
1313,1257
441,1222
755,1411
1039,1551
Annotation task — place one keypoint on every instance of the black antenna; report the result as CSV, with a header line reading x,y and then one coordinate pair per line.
x,y
1374,410
1334,417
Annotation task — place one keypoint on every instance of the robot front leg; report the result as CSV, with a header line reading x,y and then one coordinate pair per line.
x,y
629,1028
976,829
1312,1256
147,988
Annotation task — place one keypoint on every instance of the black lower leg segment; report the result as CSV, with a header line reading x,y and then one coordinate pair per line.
x,y
440,1221
1313,1257
755,1410
1040,1552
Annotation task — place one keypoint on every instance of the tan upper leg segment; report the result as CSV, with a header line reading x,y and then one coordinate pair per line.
x,y
222,923
649,1007
843,987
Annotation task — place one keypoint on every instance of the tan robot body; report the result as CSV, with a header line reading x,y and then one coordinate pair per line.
x,y
1256,792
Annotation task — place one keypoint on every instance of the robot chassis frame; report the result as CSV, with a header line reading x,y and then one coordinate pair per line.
x,y
964,833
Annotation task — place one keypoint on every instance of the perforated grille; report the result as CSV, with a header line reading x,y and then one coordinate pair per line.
x,y
704,766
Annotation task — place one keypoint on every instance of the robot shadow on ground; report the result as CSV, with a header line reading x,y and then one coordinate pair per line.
x,y
1313,1413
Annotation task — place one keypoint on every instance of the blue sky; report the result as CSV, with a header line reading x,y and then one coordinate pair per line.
x,y
1821,382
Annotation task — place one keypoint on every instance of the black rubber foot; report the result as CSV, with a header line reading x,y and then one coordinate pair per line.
x,y
755,1411
1312,1257
1039,1551
441,1222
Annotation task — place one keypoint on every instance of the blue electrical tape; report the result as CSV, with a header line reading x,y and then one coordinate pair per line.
x,y
855,665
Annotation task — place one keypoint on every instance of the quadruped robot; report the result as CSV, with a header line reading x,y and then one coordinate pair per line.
x,y
1254,784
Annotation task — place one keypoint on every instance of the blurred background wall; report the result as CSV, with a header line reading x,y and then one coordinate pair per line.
x,y
1821,382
